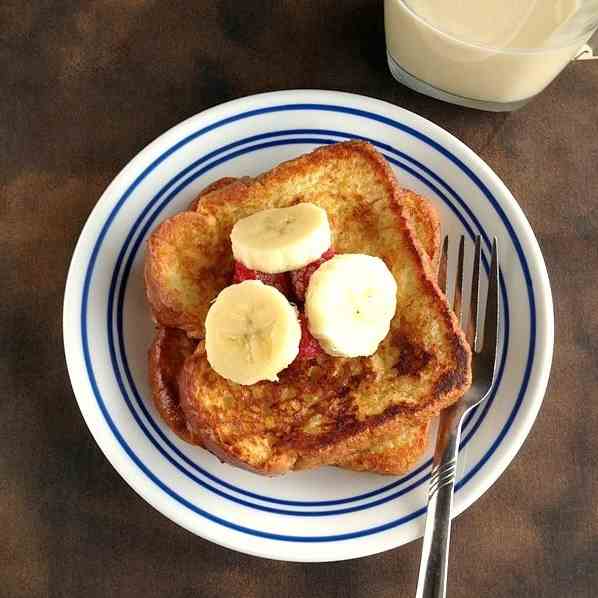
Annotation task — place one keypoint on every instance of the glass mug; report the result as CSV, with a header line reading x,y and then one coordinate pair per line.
x,y
485,54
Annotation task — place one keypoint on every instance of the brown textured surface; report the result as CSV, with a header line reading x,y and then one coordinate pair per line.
x,y
85,85
167,354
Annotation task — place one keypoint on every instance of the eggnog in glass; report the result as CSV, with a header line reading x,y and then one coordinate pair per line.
x,y
487,54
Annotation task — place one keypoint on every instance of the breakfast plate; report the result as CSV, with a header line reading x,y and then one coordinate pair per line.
x,y
326,514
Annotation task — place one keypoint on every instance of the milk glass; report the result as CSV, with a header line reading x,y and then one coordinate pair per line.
x,y
486,54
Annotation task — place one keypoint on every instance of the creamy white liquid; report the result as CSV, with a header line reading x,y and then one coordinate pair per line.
x,y
491,50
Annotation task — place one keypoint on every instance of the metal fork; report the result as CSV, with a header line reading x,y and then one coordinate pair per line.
x,y
434,562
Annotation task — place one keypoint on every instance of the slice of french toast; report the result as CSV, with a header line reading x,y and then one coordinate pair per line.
x,y
325,410
397,453
394,454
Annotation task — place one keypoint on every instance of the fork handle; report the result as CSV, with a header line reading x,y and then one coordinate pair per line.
x,y
434,561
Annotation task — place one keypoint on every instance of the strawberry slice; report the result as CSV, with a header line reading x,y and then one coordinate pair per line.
x,y
309,347
300,278
278,281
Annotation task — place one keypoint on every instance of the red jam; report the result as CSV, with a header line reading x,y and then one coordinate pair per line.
x,y
309,347
278,281
300,278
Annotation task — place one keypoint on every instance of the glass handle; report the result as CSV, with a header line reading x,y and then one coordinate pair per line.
x,y
588,51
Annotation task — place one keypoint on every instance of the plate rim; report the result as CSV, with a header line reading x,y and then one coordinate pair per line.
x,y
378,107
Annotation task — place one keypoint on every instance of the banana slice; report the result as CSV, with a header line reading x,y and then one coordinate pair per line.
x,y
281,239
252,333
349,304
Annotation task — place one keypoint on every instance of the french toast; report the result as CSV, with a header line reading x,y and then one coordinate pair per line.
x,y
168,352
325,410
395,454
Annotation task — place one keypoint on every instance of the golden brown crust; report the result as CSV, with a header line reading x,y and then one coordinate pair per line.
x,y
452,384
425,223
186,267
355,403
218,184
227,418
187,264
167,354
392,455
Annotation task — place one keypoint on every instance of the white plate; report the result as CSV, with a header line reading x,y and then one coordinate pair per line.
x,y
328,514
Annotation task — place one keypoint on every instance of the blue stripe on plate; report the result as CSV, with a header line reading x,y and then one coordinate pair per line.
x,y
287,107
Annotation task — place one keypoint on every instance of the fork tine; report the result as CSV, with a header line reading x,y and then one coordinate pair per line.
x,y
492,307
442,265
458,294
472,322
